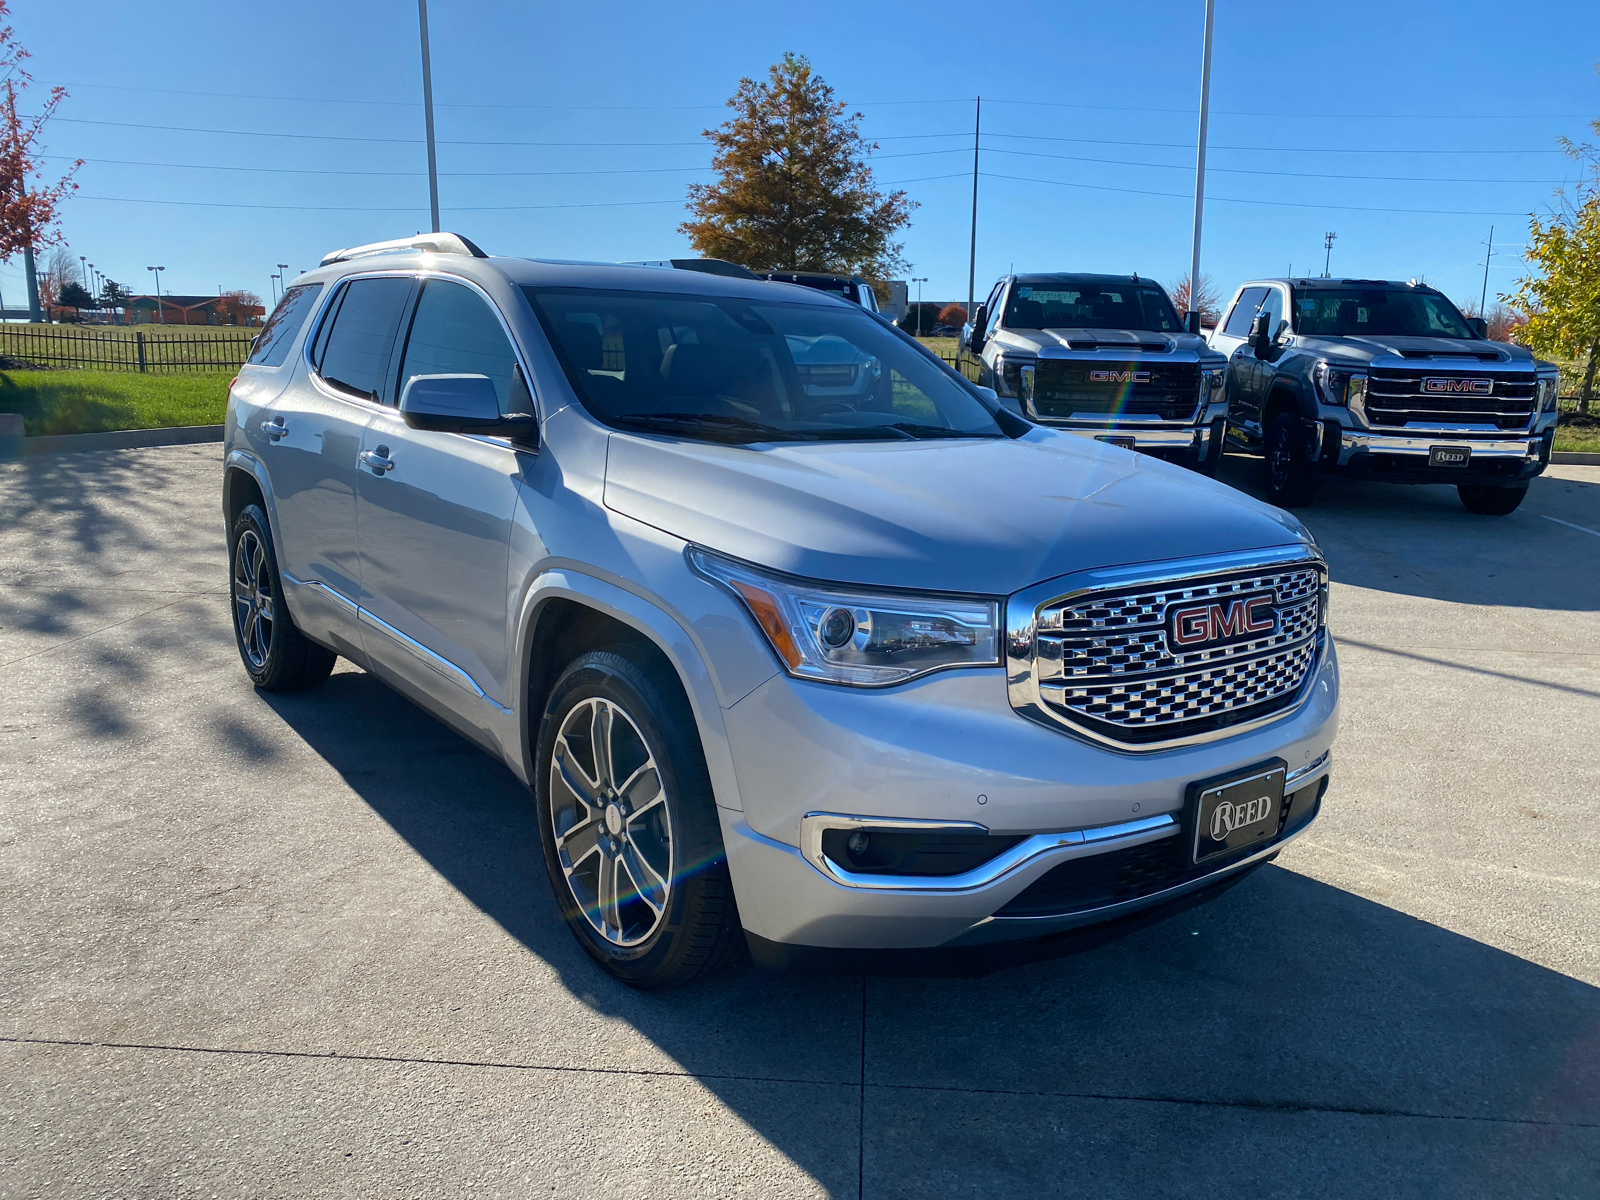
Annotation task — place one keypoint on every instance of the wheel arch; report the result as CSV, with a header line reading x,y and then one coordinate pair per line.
x,y
244,482
1286,396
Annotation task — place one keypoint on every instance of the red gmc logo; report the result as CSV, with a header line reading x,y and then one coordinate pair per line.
x,y
1220,621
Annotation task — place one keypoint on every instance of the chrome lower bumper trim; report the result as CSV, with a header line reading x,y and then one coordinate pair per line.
x,y
1310,773
1000,929
1143,439
1050,847
1352,441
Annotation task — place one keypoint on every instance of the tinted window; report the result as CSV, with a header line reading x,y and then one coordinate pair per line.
x,y
456,333
1273,307
1244,311
1356,312
277,336
748,371
1089,303
353,348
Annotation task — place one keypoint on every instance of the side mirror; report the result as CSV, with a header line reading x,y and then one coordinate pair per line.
x,y
1261,334
461,404
1479,326
975,338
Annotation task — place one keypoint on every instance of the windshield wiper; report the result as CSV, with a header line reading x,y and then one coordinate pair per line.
x,y
933,431
710,422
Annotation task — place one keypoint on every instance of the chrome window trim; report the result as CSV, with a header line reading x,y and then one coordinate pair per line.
x,y
1021,624
1049,847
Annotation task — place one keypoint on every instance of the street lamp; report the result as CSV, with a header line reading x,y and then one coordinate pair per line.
x,y
919,283
283,279
161,316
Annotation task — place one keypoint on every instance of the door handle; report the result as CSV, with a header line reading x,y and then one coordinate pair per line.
x,y
378,460
274,429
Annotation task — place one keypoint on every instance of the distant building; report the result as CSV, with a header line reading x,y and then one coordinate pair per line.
x,y
191,310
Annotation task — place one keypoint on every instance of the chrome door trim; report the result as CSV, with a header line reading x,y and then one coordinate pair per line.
x,y
437,661
1049,848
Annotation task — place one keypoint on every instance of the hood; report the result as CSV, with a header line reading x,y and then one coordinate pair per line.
x,y
1461,352
981,516
1068,343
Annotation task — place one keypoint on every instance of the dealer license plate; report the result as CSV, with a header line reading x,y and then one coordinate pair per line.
x,y
1231,814
1449,456
1125,442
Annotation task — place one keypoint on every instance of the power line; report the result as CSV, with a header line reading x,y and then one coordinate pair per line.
x,y
411,208
1039,137
330,137
1119,162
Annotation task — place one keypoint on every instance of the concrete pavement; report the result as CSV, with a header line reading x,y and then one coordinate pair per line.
x,y
303,945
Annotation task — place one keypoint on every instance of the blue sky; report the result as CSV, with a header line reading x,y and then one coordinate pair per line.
x,y
572,131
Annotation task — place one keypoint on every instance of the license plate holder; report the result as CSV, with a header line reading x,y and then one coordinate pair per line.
x,y
1236,811
1449,456
1125,443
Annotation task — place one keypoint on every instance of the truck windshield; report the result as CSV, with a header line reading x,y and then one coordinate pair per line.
x,y
1090,304
1328,312
735,370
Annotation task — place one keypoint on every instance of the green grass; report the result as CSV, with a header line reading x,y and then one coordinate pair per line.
x,y
96,401
244,332
940,346
1576,432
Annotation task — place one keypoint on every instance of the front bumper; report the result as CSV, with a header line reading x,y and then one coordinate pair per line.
x,y
1404,456
952,750
1167,439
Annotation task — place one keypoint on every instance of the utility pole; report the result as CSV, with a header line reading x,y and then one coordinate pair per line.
x,y
1483,300
427,115
1200,166
972,254
1327,245
161,315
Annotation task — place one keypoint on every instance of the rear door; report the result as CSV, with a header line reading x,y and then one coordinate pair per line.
x,y
436,521
313,433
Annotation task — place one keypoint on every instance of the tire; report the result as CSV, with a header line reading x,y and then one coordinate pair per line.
x,y
629,825
1489,501
276,655
1290,479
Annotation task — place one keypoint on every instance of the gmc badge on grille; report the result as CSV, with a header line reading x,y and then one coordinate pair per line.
x,y
1221,622
1470,387
1119,376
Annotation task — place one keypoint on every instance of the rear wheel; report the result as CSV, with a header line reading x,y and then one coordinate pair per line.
x,y
277,656
1489,501
1290,478
629,825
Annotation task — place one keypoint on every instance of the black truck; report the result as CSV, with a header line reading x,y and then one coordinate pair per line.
x,y
1386,381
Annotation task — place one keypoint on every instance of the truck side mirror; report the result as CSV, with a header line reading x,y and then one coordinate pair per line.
x,y
1261,334
1479,326
975,338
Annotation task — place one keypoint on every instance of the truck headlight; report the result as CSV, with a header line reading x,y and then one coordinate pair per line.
x,y
1340,387
1549,394
858,638
1008,374
1211,385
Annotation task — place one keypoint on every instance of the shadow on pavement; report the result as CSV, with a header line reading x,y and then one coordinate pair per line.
x,y
1284,996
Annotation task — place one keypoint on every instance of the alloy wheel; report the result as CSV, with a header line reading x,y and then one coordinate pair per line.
x,y
608,811
255,606
1280,458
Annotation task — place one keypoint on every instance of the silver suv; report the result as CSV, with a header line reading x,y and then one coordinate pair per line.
x,y
786,663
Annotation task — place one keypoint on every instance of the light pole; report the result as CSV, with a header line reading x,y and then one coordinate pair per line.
x,y
427,114
161,316
1483,301
283,279
919,283
1200,166
275,280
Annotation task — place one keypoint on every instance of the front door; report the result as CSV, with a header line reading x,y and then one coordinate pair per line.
x,y
1233,339
436,520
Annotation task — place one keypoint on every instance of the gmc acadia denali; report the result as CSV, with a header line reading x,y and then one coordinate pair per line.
x,y
788,659
1387,381
1104,357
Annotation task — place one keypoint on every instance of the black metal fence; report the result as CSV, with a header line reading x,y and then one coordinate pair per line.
x,y
124,349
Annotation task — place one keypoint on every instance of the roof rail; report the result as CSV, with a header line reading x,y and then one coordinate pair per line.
x,y
439,243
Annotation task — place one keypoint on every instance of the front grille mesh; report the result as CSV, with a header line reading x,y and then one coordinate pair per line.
x,y
1103,661
1396,397
1061,389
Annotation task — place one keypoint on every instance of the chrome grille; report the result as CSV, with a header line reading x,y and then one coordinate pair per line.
x,y
1062,389
1101,661
1396,397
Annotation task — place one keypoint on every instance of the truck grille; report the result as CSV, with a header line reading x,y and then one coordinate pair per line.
x,y
1063,389
1397,396
1105,662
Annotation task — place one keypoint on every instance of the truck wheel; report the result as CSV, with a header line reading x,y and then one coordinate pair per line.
x,y
629,825
277,656
1489,501
1290,480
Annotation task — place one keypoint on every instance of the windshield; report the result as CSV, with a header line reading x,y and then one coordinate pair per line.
x,y
750,371
1090,304
1388,313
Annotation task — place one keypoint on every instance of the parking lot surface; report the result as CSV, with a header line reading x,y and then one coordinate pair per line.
x,y
258,945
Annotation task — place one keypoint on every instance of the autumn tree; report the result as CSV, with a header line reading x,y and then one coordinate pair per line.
x,y
234,307
794,190
1562,301
1208,302
953,315
27,202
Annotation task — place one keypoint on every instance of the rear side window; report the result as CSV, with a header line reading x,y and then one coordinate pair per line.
x,y
456,333
1244,311
278,335
355,343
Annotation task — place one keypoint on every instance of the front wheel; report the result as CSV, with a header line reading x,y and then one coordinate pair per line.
x,y
1291,480
629,825
1489,501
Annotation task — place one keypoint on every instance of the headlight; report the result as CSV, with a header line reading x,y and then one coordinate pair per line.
x,y
859,638
1549,394
1008,374
1339,386
1211,385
